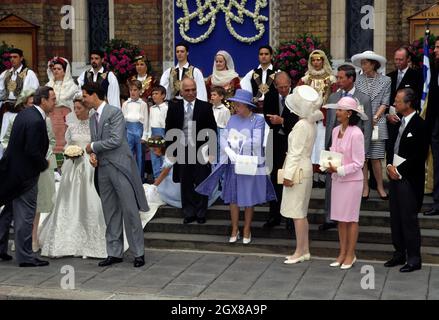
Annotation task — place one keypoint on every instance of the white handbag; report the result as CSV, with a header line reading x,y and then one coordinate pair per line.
x,y
246,165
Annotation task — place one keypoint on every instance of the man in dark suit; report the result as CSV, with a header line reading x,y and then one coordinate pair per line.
x,y
402,77
346,77
20,168
281,122
406,170
191,167
432,120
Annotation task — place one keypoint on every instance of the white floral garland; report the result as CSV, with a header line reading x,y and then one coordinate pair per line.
x,y
258,19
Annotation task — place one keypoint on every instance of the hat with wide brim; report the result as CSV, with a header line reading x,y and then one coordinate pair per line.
x,y
349,103
24,95
243,96
369,55
304,101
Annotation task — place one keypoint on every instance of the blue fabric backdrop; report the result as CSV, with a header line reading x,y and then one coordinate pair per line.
x,y
202,54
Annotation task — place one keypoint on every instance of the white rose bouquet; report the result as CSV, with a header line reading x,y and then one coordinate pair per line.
x,y
73,152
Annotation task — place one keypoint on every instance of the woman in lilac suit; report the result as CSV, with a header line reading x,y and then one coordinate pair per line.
x,y
244,135
347,179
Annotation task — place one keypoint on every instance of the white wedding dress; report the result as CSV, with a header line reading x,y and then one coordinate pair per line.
x,y
76,227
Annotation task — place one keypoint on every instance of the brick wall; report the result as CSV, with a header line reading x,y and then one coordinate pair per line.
x,y
140,22
398,25
52,39
298,17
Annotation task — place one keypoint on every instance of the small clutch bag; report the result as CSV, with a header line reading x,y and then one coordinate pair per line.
x,y
297,178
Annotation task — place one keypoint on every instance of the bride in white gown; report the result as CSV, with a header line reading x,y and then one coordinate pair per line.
x,y
76,227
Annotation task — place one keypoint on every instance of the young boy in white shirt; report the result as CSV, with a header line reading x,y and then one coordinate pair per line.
x,y
220,112
135,111
157,124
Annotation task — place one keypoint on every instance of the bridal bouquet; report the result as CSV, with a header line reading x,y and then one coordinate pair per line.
x,y
73,152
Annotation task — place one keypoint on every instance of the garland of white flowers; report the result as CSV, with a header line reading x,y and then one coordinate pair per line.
x,y
258,19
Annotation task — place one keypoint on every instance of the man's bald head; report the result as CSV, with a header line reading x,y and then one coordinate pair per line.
x,y
188,89
282,82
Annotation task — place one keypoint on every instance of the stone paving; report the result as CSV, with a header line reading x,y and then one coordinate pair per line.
x,y
215,276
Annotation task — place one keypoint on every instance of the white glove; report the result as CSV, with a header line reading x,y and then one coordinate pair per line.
x,y
231,154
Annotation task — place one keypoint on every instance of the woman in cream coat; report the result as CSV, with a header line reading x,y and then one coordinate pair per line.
x,y
298,170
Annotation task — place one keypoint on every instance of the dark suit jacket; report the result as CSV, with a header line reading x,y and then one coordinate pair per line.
x,y
203,116
412,79
25,156
271,106
414,148
433,97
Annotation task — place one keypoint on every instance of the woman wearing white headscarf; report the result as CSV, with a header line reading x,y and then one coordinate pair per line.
x,y
60,79
223,74
319,76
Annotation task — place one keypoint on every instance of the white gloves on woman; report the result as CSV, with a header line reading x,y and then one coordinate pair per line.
x,y
231,154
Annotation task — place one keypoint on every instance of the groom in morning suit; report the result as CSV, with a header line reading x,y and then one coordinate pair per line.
x,y
119,185
20,168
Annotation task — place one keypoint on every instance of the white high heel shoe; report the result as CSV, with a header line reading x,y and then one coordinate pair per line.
x,y
335,264
247,240
306,256
348,266
235,238
298,260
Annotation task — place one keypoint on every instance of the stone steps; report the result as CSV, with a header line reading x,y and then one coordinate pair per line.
x,y
368,234
322,249
167,231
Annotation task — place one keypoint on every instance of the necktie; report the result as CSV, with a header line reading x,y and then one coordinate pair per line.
x,y
399,80
96,121
346,94
398,140
282,106
189,107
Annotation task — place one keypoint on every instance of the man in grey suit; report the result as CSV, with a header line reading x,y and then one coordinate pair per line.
x,y
118,182
346,77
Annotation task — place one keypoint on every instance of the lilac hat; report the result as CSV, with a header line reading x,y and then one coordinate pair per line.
x,y
244,97
349,103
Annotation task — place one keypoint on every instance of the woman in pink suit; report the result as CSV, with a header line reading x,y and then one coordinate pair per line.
x,y
347,179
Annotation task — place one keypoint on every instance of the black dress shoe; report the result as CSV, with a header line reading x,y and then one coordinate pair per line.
x,y
271,223
410,268
109,261
139,262
37,263
201,220
394,262
327,226
5,257
189,220
431,213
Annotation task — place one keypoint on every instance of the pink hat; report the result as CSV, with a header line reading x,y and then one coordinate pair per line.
x,y
349,103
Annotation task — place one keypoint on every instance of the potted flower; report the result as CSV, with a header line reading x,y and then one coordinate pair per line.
x,y
5,62
417,51
119,58
292,56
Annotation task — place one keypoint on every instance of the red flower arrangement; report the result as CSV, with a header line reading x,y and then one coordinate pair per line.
x,y
5,62
417,51
292,57
119,58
